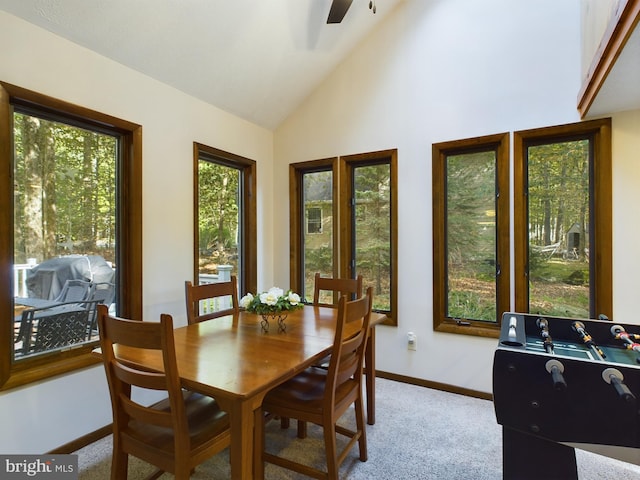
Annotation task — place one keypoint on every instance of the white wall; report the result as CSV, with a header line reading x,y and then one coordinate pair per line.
x,y
38,418
439,71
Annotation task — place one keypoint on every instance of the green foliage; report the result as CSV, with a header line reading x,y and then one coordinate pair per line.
x,y
64,190
558,190
218,214
471,305
471,207
373,229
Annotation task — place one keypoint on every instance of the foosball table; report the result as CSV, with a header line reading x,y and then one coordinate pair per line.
x,y
559,381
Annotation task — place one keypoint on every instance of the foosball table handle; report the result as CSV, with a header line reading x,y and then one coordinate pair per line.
x,y
614,377
556,368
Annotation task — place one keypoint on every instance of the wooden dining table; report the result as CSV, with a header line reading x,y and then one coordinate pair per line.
x,y
236,361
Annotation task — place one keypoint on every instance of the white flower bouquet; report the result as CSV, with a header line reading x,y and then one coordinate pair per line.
x,y
271,302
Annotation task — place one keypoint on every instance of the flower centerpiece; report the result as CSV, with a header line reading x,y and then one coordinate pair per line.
x,y
274,303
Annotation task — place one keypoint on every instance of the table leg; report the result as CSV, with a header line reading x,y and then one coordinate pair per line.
x,y
370,376
527,457
241,452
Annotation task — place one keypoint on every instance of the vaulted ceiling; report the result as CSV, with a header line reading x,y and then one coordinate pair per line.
x,y
257,59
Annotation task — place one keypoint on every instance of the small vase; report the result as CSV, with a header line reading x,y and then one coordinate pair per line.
x,y
279,316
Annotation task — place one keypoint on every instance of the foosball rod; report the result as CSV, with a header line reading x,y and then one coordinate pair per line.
x,y
578,327
619,333
553,366
543,325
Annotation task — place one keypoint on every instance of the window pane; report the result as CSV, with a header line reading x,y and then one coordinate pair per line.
x,y
372,231
317,241
314,220
471,236
64,232
219,231
558,209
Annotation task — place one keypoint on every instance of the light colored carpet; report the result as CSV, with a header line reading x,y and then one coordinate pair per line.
x,y
419,433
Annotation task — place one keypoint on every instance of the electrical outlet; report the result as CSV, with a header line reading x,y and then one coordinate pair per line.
x,y
412,341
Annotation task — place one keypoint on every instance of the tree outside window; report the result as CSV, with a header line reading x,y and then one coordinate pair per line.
x,y
224,217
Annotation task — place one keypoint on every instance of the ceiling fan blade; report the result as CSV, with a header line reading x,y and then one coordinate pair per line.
x,y
338,10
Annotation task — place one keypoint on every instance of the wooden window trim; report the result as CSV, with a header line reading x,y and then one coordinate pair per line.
x,y
440,152
602,272
129,218
347,165
296,215
249,277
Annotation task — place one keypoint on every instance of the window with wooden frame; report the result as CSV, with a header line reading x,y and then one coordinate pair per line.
x,y
71,190
224,230
359,234
563,238
471,234
313,185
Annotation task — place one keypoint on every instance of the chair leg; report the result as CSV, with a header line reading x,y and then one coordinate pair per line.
x,y
331,450
361,427
302,429
284,423
119,465
183,474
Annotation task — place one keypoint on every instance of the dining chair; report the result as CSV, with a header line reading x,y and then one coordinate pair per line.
x,y
339,287
207,294
176,434
322,396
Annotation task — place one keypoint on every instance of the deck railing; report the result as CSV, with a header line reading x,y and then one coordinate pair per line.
x,y
220,303
20,278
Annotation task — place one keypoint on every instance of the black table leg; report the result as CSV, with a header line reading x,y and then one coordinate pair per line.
x,y
527,457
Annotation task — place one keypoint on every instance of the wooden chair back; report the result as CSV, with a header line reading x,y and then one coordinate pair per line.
x,y
195,294
159,434
347,356
352,287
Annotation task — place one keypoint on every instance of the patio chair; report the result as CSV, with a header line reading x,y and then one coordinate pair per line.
x,y
104,292
174,435
74,291
54,327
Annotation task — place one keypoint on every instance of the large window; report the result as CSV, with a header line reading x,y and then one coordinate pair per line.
x,y
355,199
224,218
563,220
471,234
561,233
71,194
313,200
